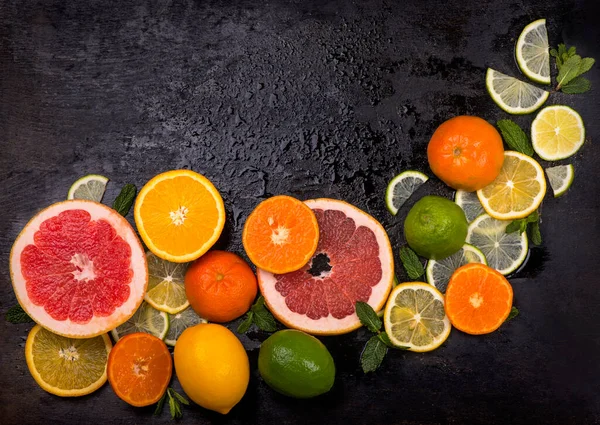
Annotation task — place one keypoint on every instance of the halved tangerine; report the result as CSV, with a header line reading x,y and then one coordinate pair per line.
x,y
281,234
478,299
139,369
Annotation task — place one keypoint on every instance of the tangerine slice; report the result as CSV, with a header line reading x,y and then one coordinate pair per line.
x,y
139,369
180,215
281,235
478,299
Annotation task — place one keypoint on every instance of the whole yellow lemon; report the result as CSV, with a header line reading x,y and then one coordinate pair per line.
x,y
212,366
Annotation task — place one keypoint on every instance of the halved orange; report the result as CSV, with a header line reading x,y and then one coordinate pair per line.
x,y
140,369
478,299
179,215
281,235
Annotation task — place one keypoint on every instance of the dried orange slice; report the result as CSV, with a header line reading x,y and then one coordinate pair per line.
x,y
139,369
478,299
179,215
281,235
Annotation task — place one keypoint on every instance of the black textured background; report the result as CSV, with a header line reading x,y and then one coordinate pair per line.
x,y
307,98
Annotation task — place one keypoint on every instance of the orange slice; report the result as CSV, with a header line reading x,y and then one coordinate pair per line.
x,y
139,369
478,299
179,215
281,235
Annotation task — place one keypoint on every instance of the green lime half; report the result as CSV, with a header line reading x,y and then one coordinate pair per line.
x,y
469,202
561,178
145,319
90,188
401,187
180,322
512,95
438,272
532,52
503,251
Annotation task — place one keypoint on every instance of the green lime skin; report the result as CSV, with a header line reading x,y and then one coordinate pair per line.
x,y
296,364
435,227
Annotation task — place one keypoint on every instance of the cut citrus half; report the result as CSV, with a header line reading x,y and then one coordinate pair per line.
x,y
64,366
415,318
478,299
180,322
517,191
166,291
146,319
557,132
179,215
561,178
401,187
139,369
353,262
505,252
532,52
438,272
469,202
512,95
78,269
281,234
90,188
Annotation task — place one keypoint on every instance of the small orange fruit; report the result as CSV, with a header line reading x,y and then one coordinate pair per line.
x,y
281,235
139,369
466,153
478,299
220,286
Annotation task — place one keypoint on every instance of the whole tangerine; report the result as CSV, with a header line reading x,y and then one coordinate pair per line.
x,y
466,153
220,286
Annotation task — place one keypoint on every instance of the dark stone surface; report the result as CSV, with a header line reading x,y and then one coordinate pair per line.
x,y
311,99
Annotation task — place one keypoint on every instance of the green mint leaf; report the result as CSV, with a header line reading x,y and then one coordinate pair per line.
x,y
411,263
174,406
535,236
572,50
373,354
395,281
124,201
586,64
16,314
523,226
515,137
577,85
553,53
368,317
264,320
181,398
383,337
514,226
160,404
245,325
562,49
260,301
533,217
568,71
514,312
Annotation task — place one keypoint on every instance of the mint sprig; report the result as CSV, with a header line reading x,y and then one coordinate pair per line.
x,y
514,312
16,314
260,316
175,402
377,346
570,68
515,137
124,200
411,263
531,224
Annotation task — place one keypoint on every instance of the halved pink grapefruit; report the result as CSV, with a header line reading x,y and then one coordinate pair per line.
x,y
360,268
78,269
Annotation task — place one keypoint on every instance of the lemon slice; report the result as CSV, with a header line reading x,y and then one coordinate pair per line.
x,y
557,132
145,319
560,177
166,289
503,251
67,367
90,187
415,318
469,202
180,322
438,272
512,95
401,187
532,52
517,191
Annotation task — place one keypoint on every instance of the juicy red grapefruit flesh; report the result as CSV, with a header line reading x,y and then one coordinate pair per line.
x,y
77,268
355,268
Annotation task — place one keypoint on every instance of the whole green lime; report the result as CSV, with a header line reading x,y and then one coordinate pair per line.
x,y
435,227
296,364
